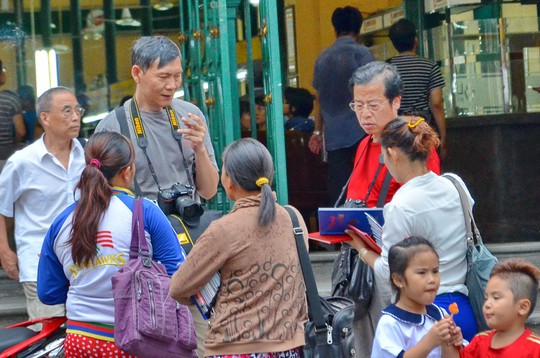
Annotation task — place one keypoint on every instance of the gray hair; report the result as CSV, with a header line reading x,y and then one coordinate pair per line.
x,y
393,85
45,101
245,161
148,49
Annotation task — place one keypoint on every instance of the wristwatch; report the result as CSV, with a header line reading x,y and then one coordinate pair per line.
x,y
316,132
362,253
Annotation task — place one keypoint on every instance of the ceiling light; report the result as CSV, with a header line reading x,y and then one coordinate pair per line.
x,y
163,5
127,19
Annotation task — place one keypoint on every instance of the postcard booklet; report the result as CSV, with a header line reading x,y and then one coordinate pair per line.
x,y
334,221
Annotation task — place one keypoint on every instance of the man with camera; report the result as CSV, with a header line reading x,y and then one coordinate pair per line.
x,y
175,159
172,144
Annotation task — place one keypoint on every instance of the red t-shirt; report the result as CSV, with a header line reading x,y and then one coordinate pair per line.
x,y
366,163
526,346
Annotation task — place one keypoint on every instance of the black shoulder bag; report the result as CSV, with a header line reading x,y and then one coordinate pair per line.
x,y
352,277
328,332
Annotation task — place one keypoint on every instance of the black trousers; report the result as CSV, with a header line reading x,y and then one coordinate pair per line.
x,y
340,165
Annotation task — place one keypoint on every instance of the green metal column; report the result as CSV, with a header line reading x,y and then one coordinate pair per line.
x,y
274,98
76,43
250,71
232,7
414,11
110,41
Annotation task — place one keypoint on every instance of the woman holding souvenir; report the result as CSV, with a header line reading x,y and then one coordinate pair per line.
x,y
426,205
261,308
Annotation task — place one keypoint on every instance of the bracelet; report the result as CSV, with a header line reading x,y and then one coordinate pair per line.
x,y
317,133
362,253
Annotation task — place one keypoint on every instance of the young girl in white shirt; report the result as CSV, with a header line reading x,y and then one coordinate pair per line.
x,y
414,326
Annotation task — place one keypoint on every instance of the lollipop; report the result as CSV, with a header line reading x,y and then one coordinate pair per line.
x,y
453,308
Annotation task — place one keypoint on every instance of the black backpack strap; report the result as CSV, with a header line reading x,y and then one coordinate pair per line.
x,y
384,189
124,130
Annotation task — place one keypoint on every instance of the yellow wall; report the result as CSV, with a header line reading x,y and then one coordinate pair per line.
x,y
314,31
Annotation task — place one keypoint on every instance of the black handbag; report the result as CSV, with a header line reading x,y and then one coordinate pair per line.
x,y
329,331
354,279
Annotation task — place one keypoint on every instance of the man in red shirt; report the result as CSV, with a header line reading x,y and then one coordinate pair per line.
x,y
377,90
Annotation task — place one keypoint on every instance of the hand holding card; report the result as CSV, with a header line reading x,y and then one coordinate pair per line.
x,y
370,243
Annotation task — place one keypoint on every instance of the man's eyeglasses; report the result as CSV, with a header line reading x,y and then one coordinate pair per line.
x,y
68,111
372,107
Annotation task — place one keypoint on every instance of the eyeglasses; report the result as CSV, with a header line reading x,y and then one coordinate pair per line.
x,y
372,107
68,111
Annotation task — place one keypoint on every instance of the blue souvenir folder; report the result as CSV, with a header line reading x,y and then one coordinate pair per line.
x,y
334,221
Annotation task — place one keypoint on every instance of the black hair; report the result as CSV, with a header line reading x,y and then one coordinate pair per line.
x,y
401,254
113,152
300,100
347,21
393,85
403,34
149,49
245,161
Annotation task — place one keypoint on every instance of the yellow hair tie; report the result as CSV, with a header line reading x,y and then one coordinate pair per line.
x,y
412,125
261,181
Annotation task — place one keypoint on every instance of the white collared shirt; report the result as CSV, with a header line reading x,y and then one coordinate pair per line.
x,y
399,330
34,188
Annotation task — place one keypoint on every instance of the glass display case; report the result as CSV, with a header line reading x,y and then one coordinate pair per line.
x,y
491,66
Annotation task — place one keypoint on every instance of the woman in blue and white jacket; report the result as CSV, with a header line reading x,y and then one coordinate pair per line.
x,y
90,241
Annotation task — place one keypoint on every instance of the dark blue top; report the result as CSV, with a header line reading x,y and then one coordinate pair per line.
x,y
333,70
300,124
30,118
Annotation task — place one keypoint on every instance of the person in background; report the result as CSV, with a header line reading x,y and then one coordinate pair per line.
x,y
188,159
422,80
260,112
334,121
28,105
426,205
90,241
37,183
414,326
377,92
261,307
297,106
511,295
12,128
245,116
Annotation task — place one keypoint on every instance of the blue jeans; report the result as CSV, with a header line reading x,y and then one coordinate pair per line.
x,y
465,319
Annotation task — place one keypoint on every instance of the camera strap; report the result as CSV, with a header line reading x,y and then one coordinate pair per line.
x,y
142,141
385,186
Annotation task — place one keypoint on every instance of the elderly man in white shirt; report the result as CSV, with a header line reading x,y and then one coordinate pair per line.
x,y
36,184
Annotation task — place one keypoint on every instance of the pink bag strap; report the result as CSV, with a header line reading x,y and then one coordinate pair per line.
x,y
139,245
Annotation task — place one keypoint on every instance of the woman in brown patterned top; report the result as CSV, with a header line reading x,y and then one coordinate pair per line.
x,y
261,308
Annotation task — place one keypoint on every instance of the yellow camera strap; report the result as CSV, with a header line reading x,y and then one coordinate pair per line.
x,y
142,141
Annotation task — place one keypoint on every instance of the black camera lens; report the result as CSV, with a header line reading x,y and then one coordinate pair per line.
x,y
189,210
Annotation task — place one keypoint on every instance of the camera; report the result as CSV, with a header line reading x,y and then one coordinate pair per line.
x,y
354,203
178,200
